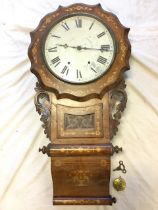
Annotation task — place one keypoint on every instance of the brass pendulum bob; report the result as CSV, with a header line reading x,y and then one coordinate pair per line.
x,y
119,184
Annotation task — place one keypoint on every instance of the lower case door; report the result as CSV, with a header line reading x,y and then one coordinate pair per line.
x,y
81,180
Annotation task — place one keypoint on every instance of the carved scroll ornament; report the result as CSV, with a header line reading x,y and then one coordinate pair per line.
x,y
43,107
118,100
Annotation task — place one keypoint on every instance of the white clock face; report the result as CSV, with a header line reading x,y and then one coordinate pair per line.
x,y
79,49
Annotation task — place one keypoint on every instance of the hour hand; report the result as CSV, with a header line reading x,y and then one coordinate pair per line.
x,y
68,46
63,45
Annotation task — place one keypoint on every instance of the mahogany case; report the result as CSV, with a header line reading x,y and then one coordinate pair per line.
x,y
80,120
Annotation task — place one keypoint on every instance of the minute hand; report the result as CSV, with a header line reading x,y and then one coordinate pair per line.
x,y
100,49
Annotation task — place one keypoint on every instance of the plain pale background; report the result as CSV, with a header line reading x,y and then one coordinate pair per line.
x,y
25,178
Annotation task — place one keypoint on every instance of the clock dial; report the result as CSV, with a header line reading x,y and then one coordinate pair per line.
x,y
79,49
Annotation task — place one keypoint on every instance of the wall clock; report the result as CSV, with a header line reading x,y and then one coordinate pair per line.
x,y
79,54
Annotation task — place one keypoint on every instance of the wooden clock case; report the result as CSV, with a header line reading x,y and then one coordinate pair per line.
x,y
80,120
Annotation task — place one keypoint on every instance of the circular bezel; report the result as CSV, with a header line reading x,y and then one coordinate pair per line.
x,y
64,18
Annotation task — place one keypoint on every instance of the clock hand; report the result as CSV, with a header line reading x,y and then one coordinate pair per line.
x,y
82,48
100,49
68,46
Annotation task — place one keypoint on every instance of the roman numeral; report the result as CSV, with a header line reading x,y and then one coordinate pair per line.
x,y
79,75
101,34
53,49
93,69
105,47
101,60
56,61
65,26
78,23
56,36
91,26
65,70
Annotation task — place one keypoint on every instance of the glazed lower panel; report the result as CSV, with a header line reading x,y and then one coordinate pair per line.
x,y
107,200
